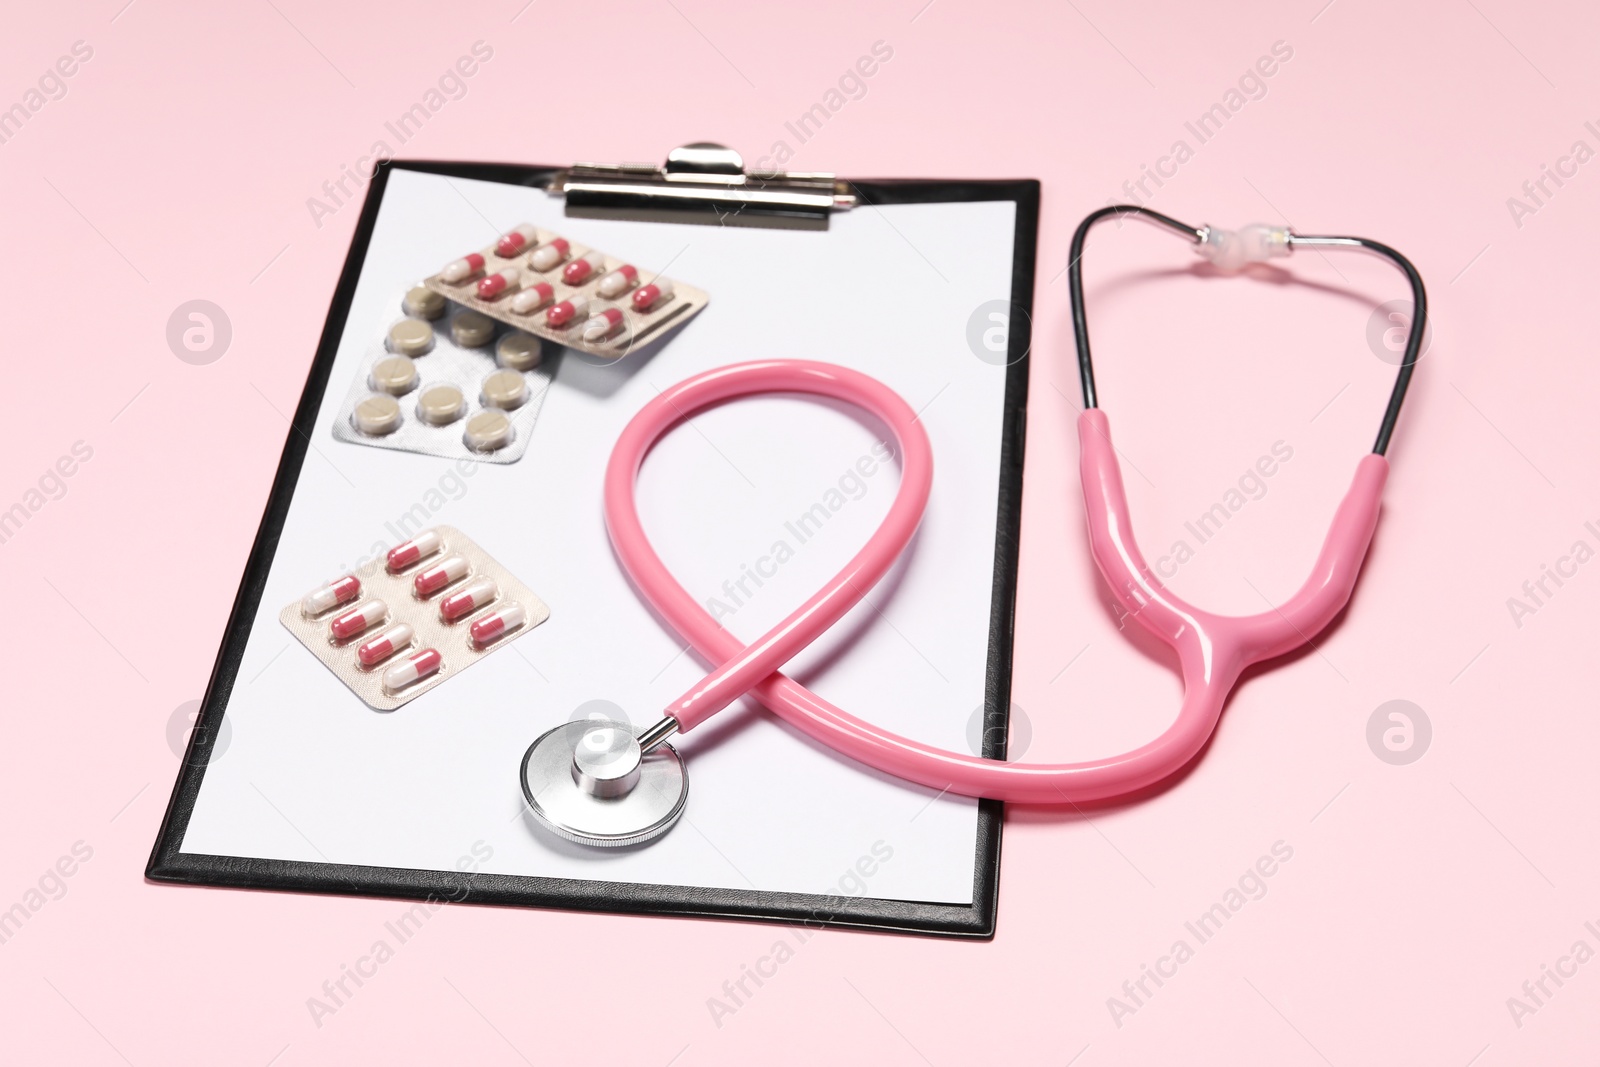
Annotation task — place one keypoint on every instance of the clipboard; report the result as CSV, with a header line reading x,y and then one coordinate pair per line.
x,y
700,185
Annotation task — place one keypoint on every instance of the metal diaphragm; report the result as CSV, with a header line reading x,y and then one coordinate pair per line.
x,y
585,782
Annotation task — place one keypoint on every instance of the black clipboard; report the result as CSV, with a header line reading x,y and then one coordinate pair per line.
x,y
700,183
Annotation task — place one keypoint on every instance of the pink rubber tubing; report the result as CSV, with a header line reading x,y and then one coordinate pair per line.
x,y
1212,649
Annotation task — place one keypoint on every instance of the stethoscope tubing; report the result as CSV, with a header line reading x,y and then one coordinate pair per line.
x,y
743,666
1213,650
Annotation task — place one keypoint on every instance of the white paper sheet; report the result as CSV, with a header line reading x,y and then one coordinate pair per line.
x,y
311,774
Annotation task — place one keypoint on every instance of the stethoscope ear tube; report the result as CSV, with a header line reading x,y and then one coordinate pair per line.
x,y
1414,335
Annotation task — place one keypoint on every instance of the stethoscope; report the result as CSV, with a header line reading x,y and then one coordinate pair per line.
x,y
607,783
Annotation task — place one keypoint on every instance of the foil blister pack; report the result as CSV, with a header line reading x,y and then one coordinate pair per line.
x,y
566,292
447,381
433,607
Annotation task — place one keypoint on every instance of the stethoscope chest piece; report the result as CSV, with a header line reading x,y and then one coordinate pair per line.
x,y
589,782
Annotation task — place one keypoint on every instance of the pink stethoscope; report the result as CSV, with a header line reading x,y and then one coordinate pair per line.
x,y
606,783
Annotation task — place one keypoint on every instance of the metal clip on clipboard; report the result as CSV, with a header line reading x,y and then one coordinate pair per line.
x,y
701,183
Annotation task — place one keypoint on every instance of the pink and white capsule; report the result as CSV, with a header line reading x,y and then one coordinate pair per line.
x,y
567,311
467,599
532,298
499,282
432,579
386,644
514,241
582,269
492,626
548,255
421,546
413,669
358,620
336,592
602,324
619,281
461,269
648,296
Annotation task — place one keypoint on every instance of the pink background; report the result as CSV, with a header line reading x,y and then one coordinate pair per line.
x,y
1419,897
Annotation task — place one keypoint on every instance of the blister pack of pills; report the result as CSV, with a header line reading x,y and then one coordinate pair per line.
x,y
432,608
568,293
447,381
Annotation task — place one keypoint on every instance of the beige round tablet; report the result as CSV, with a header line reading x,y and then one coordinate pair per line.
x,y
440,404
395,375
472,329
377,415
519,351
504,389
422,302
410,337
488,431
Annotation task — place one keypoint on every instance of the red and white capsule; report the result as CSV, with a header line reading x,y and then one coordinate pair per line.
x,y
339,591
394,639
499,282
461,269
358,621
421,546
567,311
467,599
602,324
489,629
619,281
514,241
532,298
582,269
430,580
648,296
549,254
413,669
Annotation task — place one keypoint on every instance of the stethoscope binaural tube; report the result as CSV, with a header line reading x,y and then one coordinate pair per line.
x,y
1253,244
1212,649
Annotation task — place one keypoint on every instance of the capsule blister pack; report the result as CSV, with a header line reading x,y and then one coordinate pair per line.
x,y
447,381
432,608
566,292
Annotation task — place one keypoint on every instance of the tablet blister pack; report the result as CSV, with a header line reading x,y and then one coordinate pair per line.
x,y
447,381
432,608
569,293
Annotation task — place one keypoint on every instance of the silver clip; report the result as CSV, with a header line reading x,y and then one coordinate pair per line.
x,y
701,183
